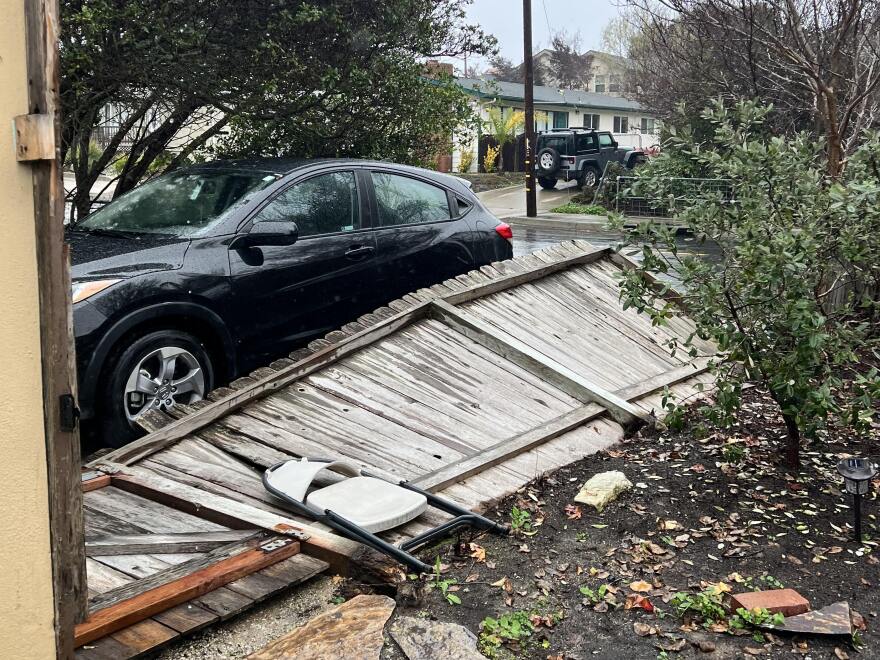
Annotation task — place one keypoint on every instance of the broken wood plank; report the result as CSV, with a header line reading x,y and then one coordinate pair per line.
x,y
144,544
93,480
333,549
218,569
525,356
506,449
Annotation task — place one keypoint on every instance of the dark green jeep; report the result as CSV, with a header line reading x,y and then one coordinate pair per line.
x,y
580,155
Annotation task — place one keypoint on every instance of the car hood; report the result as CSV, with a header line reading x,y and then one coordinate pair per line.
x,y
96,255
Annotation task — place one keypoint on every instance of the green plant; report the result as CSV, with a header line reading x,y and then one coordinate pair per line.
x,y
754,617
491,158
520,520
443,586
733,452
503,129
593,596
582,209
706,604
465,161
513,626
787,299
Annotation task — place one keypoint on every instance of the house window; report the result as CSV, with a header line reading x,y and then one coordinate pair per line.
x,y
648,126
621,124
560,120
614,83
600,85
591,121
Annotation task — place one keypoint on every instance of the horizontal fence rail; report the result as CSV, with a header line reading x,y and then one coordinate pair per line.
x,y
680,193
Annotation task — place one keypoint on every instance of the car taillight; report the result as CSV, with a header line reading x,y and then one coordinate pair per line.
x,y
570,159
504,231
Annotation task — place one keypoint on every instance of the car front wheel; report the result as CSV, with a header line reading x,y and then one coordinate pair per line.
x,y
157,371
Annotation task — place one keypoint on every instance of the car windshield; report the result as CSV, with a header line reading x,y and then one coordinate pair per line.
x,y
183,203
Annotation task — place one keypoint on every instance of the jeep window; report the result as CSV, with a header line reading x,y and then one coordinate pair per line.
x,y
605,140
621,124
558,142
585,142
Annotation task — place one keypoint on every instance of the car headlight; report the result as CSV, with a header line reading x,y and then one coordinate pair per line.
x,y
84,290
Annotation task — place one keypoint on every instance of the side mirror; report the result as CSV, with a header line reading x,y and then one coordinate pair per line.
x,y
267,233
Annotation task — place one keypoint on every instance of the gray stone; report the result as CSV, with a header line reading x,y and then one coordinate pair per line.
x,y
602,488
421,639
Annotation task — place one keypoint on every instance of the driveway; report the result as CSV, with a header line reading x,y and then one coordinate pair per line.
x,y
510,201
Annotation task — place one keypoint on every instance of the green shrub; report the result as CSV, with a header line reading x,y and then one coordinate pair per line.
x,y
789,298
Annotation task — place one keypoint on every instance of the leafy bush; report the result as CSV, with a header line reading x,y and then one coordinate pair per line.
x,y
465,161
788,299
491,157
513,627
583,209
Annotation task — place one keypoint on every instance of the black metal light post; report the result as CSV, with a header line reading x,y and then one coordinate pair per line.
x,y
857,474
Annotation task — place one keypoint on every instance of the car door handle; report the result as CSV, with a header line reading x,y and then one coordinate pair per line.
x,y
359,252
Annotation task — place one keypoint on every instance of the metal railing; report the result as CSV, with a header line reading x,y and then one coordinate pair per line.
x,y
679,193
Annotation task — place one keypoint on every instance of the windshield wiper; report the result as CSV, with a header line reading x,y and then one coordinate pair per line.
x,y
99,231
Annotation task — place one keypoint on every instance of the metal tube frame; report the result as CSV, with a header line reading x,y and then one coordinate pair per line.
x,y
401,554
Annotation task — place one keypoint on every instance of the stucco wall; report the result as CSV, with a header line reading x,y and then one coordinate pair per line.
x,y
26,610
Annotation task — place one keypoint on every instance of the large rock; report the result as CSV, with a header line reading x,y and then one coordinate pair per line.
x,y
353,630
602,488
421,639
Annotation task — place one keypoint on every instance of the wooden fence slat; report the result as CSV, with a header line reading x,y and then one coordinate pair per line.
x,y
525,356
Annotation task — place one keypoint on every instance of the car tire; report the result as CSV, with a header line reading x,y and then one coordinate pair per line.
x,y
168,361
590,177
547,183
548,161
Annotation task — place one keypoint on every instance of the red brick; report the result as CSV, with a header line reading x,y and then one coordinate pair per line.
x,y
787,601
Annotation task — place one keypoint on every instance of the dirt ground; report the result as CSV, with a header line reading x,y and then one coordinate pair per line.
x,y
711,511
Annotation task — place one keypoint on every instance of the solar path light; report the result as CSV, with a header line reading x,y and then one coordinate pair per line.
x,y
857,474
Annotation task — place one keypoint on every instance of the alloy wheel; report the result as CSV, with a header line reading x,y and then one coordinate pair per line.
x,y
164,378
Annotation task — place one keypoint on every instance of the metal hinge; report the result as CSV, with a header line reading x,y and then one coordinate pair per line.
x,y
69,413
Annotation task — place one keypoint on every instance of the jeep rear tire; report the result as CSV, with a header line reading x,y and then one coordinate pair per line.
x,y
548,161
547,183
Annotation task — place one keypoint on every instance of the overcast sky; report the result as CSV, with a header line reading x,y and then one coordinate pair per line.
x,y
503,18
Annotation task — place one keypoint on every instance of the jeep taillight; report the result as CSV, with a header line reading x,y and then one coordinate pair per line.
x,y
569,159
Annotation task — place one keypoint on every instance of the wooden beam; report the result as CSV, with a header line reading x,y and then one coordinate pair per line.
x,y
520,353
182,427
147,544
218,568
94,480
506,449
55,323
333,549
34,137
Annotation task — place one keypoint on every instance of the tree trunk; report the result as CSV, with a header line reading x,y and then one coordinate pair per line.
x,y
792,453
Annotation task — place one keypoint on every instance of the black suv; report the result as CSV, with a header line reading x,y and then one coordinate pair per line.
x,y
579,155
203,274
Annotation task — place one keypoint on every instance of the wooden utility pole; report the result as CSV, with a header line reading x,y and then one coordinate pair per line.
x,y
529,82
38,141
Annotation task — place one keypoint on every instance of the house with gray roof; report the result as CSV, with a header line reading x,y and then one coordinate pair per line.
x,y
632,124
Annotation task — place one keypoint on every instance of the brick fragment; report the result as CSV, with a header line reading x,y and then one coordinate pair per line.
x,y
787,601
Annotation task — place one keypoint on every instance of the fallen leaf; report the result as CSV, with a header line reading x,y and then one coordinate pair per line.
x,y
670,525
675,646
641,586
840,654
752,650
637,600
478,552
572,512
643,629
504,583
719,588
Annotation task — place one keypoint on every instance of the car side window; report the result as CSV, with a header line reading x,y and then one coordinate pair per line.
x,y
605,140
324,204
406,201
585,142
